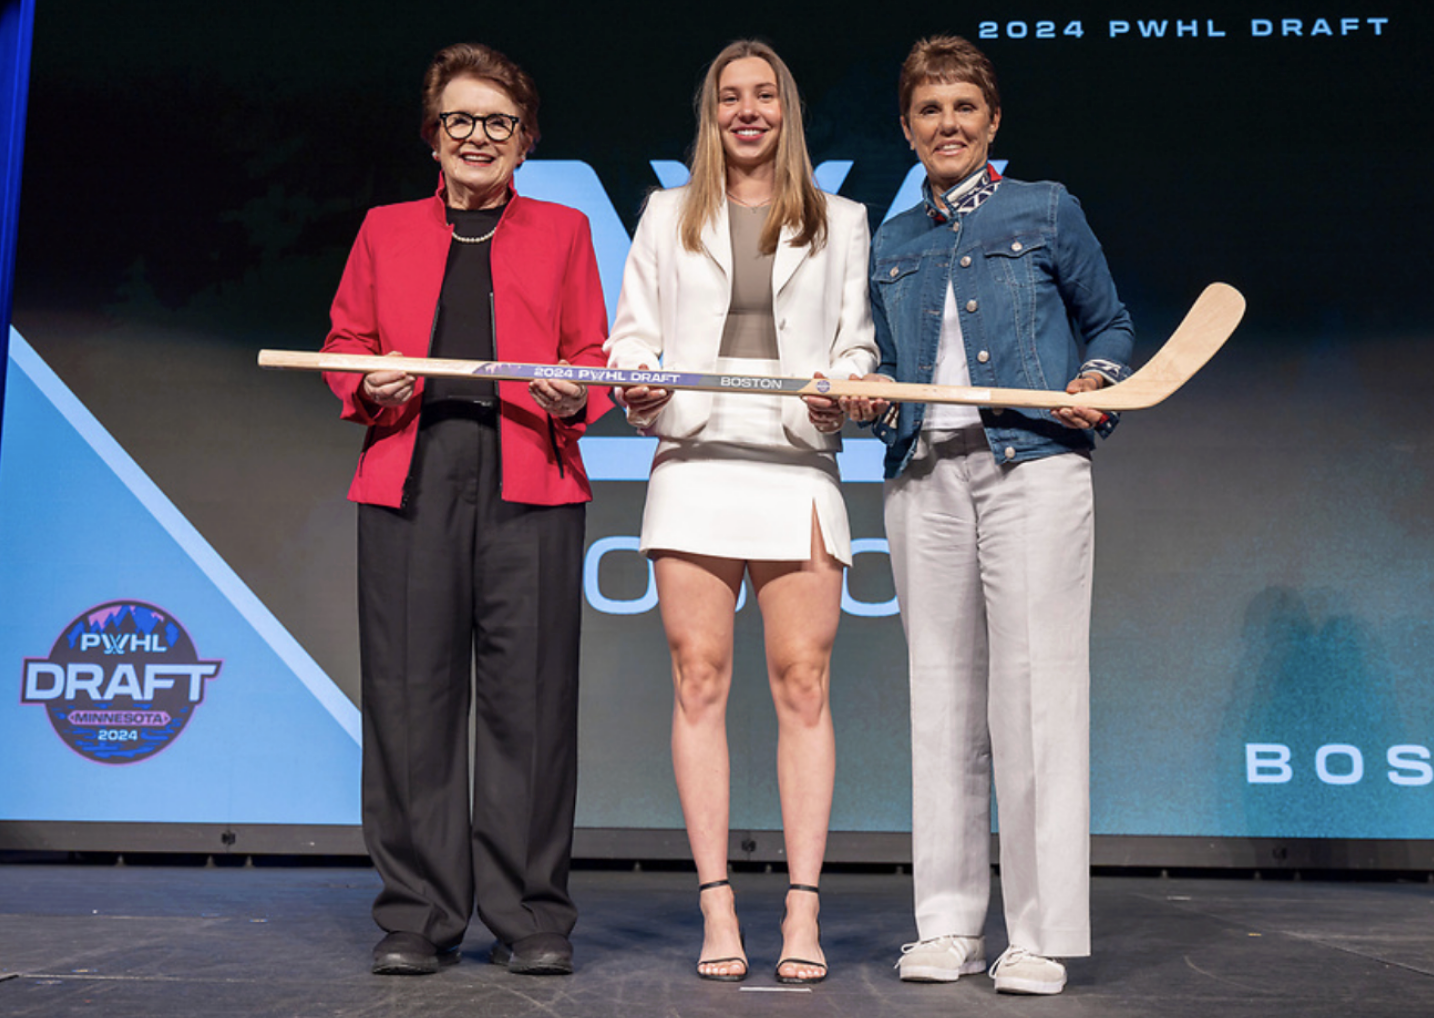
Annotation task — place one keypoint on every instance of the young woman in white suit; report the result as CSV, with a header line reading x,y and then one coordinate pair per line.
x,y
748,269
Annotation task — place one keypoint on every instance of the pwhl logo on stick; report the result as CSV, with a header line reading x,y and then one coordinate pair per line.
x,y
120,683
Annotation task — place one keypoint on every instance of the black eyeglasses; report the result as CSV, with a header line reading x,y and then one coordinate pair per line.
x,y
497,126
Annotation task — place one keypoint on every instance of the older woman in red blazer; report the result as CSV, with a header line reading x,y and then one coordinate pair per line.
x,y
471,513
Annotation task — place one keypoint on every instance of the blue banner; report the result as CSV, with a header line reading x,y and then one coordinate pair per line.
x,y
152,685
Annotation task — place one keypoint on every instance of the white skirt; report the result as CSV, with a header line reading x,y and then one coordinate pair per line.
x,y
742,490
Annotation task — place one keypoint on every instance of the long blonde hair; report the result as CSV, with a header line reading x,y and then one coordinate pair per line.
x,y
797,203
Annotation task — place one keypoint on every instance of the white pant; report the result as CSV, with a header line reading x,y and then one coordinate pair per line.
x,y
993,573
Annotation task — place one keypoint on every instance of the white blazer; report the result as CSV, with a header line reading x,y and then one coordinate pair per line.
x,y
674,304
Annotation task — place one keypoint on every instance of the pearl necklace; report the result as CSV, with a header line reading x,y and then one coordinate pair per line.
x,y
475,240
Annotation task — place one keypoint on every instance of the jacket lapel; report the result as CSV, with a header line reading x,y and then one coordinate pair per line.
x,y
717,239
787,259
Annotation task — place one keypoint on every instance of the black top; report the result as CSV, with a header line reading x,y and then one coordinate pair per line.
x,y
463,322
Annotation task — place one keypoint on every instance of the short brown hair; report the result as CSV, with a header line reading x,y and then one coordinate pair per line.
x,y
479,61
947,59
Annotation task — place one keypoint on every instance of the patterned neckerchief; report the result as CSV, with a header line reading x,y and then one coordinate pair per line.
x,y
963,197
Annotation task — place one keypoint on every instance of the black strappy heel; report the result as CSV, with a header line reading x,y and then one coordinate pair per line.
x,y
803,980
736,977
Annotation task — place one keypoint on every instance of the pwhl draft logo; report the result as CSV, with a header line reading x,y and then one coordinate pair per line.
x,y
120,683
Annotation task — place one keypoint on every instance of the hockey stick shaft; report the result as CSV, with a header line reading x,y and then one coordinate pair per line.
x,y
1204,330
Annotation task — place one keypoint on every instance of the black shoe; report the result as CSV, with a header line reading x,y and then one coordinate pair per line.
x,y
734,977
541,954
409,954
801,980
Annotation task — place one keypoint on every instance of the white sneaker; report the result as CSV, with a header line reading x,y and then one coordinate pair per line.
x,y
1020,971
942,959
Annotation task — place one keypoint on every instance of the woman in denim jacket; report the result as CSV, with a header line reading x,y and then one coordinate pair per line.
x,y
992,282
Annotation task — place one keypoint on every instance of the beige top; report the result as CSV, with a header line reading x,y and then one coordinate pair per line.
x,y
750,331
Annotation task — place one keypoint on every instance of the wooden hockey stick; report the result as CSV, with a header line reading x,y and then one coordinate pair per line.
x,y
1206,326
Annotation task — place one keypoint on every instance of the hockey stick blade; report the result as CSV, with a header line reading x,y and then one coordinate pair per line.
x,y
1204,330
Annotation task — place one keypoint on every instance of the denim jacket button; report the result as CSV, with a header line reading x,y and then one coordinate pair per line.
x,y
1017,245
983,356
895,272
971,305
1010,452
966,262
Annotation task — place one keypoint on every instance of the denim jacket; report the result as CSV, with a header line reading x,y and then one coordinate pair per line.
x,y
1038,307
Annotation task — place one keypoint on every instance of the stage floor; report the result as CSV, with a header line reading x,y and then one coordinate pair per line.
x,y
143,941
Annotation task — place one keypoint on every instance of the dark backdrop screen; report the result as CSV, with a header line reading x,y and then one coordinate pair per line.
x,y
1263,638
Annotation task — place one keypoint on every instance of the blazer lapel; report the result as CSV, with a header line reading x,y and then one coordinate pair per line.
x,y
787,259
717,239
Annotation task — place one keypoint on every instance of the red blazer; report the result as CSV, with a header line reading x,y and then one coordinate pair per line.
x,y
548,305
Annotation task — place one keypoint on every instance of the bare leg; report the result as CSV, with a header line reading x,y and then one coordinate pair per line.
x,y
698,595
801,604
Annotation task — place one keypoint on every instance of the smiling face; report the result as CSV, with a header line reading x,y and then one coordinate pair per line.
x,y
950,127
749,112
477,170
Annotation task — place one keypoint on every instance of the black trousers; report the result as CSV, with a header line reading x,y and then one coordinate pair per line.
x,y
465,599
